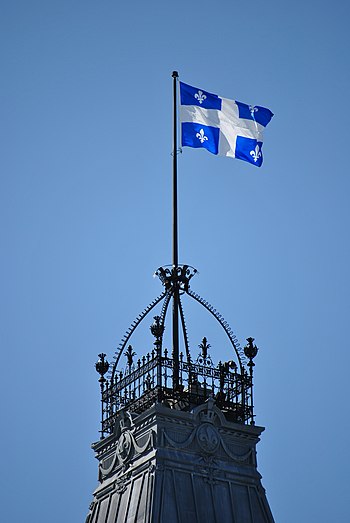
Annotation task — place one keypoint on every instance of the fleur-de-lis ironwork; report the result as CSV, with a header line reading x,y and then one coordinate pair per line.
x,y
201,136
256,153
200,96
204,346
129,353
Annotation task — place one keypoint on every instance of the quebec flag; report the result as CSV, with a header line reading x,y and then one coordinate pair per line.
x,y
224,127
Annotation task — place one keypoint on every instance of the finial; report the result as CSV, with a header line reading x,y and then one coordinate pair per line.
x,y
102,366
250,350
157,328
129,353
204,346
175,74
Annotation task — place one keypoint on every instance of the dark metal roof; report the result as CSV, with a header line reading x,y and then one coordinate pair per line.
x,y
171,466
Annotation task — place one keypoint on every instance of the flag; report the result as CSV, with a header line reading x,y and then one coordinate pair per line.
x,y
223,127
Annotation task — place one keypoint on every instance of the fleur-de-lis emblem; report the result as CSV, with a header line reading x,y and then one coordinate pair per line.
x,y
200,96
201,136
256,154
253,110
129,353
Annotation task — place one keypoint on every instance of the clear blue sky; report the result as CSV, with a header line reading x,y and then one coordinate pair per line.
x,y
85,205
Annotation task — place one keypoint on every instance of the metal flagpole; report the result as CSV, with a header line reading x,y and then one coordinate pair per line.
x,y
175,76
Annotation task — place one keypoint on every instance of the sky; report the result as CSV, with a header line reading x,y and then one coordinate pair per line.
x,y
85,220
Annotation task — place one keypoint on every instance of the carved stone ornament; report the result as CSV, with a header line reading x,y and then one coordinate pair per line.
x,y
120,487
121,483
127,447
208,438
207,435
124,446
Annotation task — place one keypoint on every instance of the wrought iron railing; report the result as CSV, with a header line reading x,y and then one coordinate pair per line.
x,y
150,380
175,379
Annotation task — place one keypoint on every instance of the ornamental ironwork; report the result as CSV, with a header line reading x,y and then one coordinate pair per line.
x,y
176,379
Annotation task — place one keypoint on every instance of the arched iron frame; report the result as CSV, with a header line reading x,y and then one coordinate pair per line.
x,y
183,284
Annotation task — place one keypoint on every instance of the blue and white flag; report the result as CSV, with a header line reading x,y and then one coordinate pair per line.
x,y
224,127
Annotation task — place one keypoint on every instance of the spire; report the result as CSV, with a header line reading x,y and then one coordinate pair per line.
x,y
178,449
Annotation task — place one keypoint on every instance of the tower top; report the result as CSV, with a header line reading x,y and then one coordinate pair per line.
x,y
137,381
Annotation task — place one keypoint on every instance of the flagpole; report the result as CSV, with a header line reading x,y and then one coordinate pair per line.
x,y
175,76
